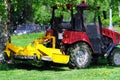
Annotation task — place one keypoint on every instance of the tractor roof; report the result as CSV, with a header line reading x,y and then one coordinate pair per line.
x,y
83,5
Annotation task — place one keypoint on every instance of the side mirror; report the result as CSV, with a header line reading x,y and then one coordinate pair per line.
x,y
104,14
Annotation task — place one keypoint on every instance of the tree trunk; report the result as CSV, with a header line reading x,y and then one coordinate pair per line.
x,y
5,27
8,21
3,37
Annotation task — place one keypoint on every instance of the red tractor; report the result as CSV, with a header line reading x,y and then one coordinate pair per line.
x,y
83,37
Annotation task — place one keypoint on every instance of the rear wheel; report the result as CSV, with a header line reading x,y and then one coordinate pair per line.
x,y
80,55
114,58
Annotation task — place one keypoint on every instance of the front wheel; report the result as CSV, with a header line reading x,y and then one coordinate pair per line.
x,y
114,58
80,55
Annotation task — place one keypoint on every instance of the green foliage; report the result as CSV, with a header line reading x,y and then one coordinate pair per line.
x,y
41,14
42,10
2,11
39,11
21,11
116,20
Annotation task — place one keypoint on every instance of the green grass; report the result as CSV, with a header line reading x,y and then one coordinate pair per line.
x,y
27,72
23,40
117,28
55,72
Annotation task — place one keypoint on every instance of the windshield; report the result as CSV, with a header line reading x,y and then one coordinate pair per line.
x,y
90,17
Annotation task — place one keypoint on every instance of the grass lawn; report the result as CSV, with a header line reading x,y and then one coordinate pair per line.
x,y
58,72
26,72
117,28
23,40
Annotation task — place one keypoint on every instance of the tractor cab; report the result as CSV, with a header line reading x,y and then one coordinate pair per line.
x,y
78,22
61,17
90,24
78,17
61,20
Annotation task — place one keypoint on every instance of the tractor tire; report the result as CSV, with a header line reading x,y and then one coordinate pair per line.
x,y
114,58
80,56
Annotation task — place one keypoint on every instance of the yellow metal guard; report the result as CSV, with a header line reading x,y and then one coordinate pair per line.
x,y
37,48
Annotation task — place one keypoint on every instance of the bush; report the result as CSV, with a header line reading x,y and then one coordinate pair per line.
x,y
116,20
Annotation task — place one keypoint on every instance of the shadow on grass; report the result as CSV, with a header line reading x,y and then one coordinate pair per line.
x,y
53,67
102,63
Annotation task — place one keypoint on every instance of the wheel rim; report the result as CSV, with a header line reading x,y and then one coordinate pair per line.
x,y
117,58
81,57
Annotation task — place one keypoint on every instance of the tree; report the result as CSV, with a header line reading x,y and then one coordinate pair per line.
x,y
22,12
4,32
8,19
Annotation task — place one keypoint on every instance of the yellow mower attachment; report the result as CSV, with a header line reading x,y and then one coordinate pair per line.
x,y
52,54
38,49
